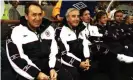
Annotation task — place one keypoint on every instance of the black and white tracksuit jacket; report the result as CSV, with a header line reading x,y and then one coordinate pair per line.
x,y
92,32
75,45
30,52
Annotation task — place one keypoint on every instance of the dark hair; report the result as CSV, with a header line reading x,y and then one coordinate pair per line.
x,y
13,2
29,4
82,11
100,14
118,11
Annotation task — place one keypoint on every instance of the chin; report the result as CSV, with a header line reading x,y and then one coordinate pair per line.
x,y
75,25
36,26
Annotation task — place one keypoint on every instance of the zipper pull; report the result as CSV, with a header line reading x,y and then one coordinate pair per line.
x,y
39,36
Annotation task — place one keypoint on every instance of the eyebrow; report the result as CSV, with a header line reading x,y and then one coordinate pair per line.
x,y
37,13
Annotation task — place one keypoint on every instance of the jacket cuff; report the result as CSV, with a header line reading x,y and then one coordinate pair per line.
x,y
57,65
33,72
71,61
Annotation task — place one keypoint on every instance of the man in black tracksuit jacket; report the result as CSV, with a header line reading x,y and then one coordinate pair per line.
x,y
107,58
127,42
32,49
115,39
74,46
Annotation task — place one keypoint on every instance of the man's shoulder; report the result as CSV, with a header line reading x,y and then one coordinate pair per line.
x,y
12,9
17,28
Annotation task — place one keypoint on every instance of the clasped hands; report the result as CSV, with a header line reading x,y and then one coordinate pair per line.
x,y
85,64
53,75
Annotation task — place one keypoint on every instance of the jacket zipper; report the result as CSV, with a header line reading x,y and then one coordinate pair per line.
x,y
38,36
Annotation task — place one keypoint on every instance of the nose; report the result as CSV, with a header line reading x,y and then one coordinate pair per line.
x,y
37,17
77,17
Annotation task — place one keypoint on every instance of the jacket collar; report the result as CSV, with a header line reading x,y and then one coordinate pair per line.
x,y
45,24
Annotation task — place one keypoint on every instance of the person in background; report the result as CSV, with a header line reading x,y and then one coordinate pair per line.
x,y
129,19
13,13
92,33
91,30
47,9
128,44
118,17
56,11
112,37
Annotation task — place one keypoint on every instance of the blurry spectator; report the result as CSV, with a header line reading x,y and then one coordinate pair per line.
x,y
113,9
129,20
43,4
118,16
102,5
13,13
47,8
56,11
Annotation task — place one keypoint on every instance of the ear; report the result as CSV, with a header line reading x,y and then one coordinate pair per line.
x,y
26,17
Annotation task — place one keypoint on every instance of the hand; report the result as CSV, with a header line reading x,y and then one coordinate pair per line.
x,y
42,76
59,18
88,64
84,65
53,74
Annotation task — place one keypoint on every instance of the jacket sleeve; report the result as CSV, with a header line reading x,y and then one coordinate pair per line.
x,y
86,44
53,61
18,60
64,50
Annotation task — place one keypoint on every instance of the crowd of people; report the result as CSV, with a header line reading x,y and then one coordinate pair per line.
x,y
79,48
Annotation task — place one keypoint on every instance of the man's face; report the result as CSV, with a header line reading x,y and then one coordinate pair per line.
x,y
34,16
118,17
15,4
103,19
73,18
86,16
130,20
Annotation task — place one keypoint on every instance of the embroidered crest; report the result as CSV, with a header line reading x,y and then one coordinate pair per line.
x,y
47,33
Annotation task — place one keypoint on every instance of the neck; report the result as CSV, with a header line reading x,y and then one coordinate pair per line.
x,y
101,24
32,28
71,26
127,23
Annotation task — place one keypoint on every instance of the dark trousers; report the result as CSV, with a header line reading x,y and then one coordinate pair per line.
x,y
91,74
63,74
107,60
73,72
127,71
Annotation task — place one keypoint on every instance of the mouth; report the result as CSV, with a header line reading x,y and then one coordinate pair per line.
x,y
36,23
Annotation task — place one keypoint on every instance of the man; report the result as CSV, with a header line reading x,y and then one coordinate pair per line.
x,y
128,44
129,19
13,13
111,37
91,31
31,48
73,45
118,16
99,49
